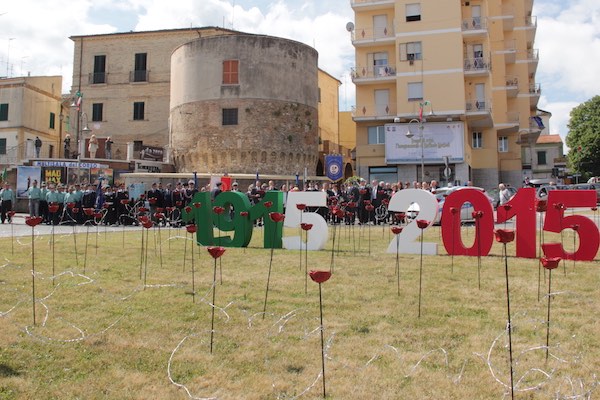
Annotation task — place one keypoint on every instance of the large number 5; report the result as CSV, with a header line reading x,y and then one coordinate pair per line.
x,y
317,236
428,209
555,221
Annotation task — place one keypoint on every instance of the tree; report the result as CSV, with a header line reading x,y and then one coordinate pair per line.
x,y
583,138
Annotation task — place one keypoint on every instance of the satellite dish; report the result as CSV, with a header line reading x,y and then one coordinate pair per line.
x,y
350,26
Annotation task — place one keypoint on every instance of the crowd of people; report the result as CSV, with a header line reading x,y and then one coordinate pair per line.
x,y
359,201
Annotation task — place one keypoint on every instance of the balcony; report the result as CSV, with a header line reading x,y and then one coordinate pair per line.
x,y
512,86
535,91
373,112
509,124
532,58
474,27
509,52
479,113
371,36
138,75
371,74
508,17
476,66
530,26
369,5
96,78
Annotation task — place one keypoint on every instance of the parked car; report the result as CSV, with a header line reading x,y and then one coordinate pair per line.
x,y
588,186
542,192
441,194
495,194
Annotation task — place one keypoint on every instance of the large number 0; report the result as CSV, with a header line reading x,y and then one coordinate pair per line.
x,y
317,236
428,209
522,206
556,222
484,229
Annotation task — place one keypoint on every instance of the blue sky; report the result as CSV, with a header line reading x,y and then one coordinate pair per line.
x,y
34,37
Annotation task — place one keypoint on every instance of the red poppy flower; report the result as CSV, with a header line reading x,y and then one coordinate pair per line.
x,y
340,213
148,224
188,209
160,209
320,276
98,215
75,210
477,214
70,205
178,203
53,207
268,204
400,215
550,262
88,211
244,213
152,200
385,201
351,204
142,209
453,210
362,191
159,215
216,251
197,204
541,206
594,208
575,227
349,213
305,226
261,193
170,209
218,210
191,228
105,205
143,219
504,235
559,206
124,201
33,221
333,200
367,202
507,206
369,207
276,216
301,206
422,223
142,196
396,229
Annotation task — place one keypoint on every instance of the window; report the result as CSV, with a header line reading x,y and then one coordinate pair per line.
x,y
415,91
138,111
413,12
378,64
99,75
140,68
541,157
503,144
97,109
4,112
410,51
477,140
230,72
2,146
376,135
387,174
230,116
52,120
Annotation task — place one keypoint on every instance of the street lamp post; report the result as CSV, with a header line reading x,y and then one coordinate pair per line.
x,y
410,135
81,129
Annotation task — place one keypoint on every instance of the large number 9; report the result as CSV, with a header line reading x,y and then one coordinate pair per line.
x,y
428,209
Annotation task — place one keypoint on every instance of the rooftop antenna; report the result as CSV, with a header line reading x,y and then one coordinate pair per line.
x,y
232,14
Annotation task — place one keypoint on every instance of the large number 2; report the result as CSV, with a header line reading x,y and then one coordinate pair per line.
x,y
428,209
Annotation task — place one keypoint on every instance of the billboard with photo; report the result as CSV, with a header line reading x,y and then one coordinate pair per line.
x,y
54,175
25,177
440,139
105,173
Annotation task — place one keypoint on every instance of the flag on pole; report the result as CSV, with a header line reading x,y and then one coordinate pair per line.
x,y
333,167
539,122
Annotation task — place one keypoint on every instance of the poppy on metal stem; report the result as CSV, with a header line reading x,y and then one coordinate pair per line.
x,y
453,211
396,230
275,217
505,236
33,222
305,227
477,215
301,207
549,264
215,252
421,224
320,277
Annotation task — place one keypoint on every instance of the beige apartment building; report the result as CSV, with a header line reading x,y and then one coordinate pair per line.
x,y
458,75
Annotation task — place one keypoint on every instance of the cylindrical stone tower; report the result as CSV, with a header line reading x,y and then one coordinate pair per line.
x,y
243,103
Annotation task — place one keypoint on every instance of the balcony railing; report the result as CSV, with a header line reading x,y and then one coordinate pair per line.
x,y
97,77
535,89
478,105
374,110
477,64
374,72
371,33
512,80
474,24
138,75
370,2
531,21
533,55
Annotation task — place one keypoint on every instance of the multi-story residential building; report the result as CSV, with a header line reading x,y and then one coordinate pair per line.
x,y
30,108
458,75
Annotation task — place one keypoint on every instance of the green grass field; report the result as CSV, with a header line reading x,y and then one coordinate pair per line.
x,y
103,335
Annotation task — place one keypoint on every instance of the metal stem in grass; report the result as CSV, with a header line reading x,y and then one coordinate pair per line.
x,y
478,256
322,341
398,263
87,234
193,276
53,255
160,245
305,262
142,254
332,250
548,317
453,240
300,228
146,258
509,323
185,249
212,318
420,274
269,274
33,273
75,243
